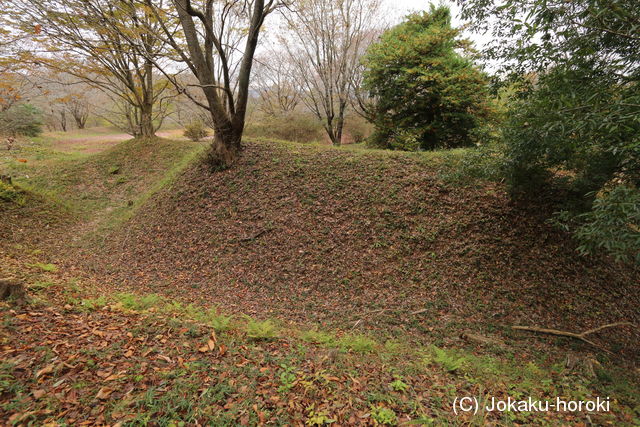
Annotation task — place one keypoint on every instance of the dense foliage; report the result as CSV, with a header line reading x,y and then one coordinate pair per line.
x,y
195,131
577,113
613,224
428,94
22,119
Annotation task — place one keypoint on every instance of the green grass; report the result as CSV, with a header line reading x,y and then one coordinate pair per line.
x,y
357,343
261,330
106,188
92,304
315,336
49,268
139,302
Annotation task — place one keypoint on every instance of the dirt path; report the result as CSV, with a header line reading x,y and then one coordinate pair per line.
x,y
92,144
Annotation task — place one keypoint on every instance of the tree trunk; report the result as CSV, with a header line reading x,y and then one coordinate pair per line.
x,y
338,132
11,289
225,148
147,129
63,120
80,119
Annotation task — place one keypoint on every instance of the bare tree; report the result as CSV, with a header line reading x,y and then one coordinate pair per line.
x,y
62,97
325,41
78,107
361,100
276,85
216,41
90,39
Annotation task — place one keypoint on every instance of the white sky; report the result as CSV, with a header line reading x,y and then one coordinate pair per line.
x,y
403,7
400,8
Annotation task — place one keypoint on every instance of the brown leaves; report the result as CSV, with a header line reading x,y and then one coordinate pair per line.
x,y
46,370
165,358
104,393
211,344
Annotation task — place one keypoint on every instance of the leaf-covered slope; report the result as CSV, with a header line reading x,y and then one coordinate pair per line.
x,y
337,236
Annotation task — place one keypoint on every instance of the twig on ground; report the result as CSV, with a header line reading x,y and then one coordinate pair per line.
x,y
581,336
255,236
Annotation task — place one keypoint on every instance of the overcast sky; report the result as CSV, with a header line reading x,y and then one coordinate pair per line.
x,y
400,8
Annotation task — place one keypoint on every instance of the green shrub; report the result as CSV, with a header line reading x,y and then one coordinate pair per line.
x,y
612,225
318,418
92,304
428,95
484,162
403,140
219,322
41,286
287,377
195,131
22,119
49,268
399,385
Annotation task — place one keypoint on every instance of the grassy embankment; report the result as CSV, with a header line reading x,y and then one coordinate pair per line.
x,y
87,350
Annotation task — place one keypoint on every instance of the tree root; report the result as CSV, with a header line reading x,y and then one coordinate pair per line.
x,y
222,156
581,336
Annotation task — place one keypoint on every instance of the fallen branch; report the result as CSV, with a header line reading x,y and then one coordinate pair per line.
x,y
255,236
480,339
581,336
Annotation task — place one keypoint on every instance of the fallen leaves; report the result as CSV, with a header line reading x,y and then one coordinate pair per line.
x,y
46,370
104,393
165,358
210,345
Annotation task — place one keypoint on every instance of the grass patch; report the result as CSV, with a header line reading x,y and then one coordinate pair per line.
x,y
11,194
211,317
92,304
49,268
138,302
447,359
384,416
315,336
106,187
41,286
357,343
261,330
